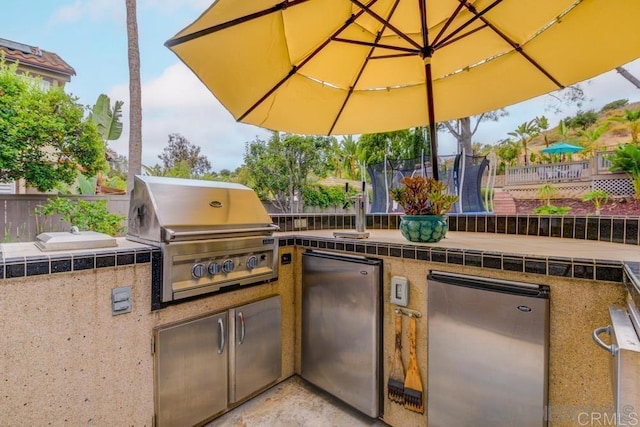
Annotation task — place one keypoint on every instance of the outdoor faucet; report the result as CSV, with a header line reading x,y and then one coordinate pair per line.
x,y
359,200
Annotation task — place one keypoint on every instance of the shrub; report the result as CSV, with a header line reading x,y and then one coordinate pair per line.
x,y
626,158
551,210
86,215
323,197
614,105
597,197
546,193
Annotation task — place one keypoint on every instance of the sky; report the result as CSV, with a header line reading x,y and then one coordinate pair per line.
x,y
91,36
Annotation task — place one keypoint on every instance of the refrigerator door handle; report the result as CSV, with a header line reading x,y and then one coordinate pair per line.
x,y
242,329
609,348
222,343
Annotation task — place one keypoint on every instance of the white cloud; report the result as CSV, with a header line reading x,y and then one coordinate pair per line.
x,y
93,10
177,102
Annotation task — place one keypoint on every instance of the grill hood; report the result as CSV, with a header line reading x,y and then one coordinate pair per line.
x,y
170,209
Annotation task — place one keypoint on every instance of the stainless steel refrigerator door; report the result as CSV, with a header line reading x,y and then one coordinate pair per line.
x,y
191,371
255,347
341,329
487,355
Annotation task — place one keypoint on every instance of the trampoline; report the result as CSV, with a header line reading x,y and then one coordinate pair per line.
x,y
462,173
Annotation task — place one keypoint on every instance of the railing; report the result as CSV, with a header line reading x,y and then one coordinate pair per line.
x,y
550,172
603,163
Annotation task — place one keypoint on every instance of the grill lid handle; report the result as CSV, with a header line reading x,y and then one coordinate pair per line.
x,y
170,234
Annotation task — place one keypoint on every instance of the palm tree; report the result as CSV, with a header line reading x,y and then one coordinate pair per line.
x,y
590,139
633,118
525,132
349,152
543,124
135,96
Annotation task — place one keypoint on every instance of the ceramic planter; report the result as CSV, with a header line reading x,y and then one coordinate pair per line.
x,y
423,228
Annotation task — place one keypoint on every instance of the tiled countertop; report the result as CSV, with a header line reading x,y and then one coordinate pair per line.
x,y
503,243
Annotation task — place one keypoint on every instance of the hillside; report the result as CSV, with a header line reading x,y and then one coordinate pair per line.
x,y
616,133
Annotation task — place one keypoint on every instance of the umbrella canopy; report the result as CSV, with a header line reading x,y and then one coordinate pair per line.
x,y
366,66
561,148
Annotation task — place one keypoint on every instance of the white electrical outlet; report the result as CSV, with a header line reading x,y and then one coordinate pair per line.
x,y
399,291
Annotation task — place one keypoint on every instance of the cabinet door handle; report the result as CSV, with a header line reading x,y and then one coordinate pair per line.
x,y
242,330
221,346
606,329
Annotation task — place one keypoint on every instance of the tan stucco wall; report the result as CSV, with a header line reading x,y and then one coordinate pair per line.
x,y
578,370
64,359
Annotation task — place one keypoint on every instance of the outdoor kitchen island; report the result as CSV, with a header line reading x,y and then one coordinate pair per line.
x,y
66,358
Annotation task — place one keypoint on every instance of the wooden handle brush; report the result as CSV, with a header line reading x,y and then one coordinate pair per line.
x,y
395,384
412,383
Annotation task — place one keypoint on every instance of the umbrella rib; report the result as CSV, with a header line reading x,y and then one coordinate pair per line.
x,y
295,68
449,21
380,19
461,36
381,46
476,15
206,31
515,46
364,64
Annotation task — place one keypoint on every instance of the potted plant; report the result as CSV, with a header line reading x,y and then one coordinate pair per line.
x,y
425,202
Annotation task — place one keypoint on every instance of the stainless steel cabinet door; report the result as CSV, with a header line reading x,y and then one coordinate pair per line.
x,y
340,329
487,354
191,371
256,347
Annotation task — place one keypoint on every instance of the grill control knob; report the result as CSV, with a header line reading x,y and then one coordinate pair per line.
x,y
252,262
214,268
228,266
198,270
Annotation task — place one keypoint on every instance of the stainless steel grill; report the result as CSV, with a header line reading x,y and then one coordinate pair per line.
x,y
213,235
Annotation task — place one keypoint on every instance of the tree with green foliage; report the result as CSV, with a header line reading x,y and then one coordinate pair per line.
x,y
86,215
507,152
632,117
280,168
44,136
525,132
590,138
400,144
543,124
582,120
180,157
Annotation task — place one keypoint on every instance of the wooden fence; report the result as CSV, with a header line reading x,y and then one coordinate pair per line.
x,y
19,222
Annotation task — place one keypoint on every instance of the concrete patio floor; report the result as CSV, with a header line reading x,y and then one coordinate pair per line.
x,y
293,403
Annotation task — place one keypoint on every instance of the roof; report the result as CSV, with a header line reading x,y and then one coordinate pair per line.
x,y
35,57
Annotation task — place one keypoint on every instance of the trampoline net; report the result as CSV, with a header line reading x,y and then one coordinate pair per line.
x,y
384,177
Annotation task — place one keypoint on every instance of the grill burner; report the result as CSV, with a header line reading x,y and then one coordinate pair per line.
x,y
213,235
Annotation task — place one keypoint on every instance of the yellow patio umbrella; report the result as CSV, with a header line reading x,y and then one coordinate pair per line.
x,y
327,67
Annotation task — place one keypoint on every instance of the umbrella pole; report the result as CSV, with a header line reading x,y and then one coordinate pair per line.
x,y
433,134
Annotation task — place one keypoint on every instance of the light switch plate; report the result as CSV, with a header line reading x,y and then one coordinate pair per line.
x,y
121,300
399,291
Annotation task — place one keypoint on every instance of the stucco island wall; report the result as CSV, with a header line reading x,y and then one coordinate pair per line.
x,y
579,377
65,360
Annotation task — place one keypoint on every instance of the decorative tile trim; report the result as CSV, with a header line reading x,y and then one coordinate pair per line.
x,y
624,230
577,268
44,264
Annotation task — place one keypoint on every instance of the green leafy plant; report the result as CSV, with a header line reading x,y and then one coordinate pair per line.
x,y
323,197
420,196
626,158
551,210
86,215
546,192
597,197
